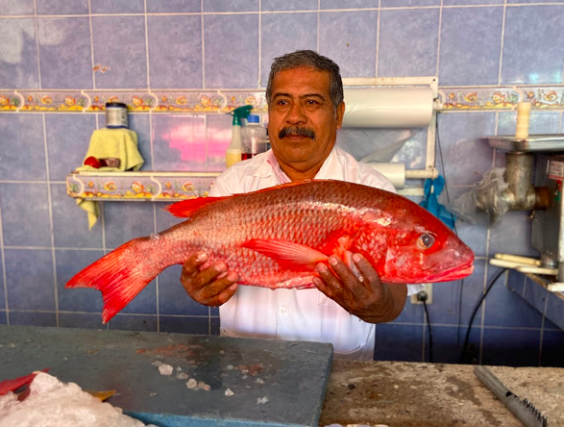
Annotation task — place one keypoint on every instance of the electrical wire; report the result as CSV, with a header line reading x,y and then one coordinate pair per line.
x,y
482,298
461,289
429,329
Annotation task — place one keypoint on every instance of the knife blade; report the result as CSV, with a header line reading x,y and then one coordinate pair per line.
x,y
523,409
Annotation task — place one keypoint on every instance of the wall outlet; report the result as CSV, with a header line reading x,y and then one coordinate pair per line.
x,y
428,287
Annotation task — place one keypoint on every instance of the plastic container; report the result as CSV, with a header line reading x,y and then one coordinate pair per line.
x,y
116,115
255,138
234,151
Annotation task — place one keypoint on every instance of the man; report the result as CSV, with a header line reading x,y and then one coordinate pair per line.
x,y
305,104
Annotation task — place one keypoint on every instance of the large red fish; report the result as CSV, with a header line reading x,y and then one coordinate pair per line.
x,y
275,237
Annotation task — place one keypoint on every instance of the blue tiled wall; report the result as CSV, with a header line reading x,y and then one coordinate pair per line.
x,y
214,44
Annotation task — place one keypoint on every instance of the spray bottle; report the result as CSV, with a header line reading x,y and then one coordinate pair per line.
x,y
233,153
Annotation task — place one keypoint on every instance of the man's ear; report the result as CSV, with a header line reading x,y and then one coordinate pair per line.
x,y
340,114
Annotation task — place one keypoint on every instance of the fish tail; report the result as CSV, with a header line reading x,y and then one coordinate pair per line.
x,y
121,274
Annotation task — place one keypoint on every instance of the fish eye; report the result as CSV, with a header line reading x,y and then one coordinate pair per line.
x,y
425,241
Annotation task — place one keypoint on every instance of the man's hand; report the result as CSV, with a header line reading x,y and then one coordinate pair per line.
x,y
208,284
365,296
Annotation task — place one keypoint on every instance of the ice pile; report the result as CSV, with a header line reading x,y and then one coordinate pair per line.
x,y
52,403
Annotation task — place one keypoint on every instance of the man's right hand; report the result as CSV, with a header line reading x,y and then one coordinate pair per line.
x,y
208,284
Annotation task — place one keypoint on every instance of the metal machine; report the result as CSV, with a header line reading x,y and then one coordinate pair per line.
x,y
534,174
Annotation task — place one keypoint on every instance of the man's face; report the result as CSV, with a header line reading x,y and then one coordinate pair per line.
x,y
303,122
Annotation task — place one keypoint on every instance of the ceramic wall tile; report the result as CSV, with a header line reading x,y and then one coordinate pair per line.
x,y
288,5
356,53
283,33
25,215
468,156
399,342
173,299
174,6
10,101
18,55
506,308
65,52
409,3
185,325
13,8
412,32
68,138
511,347
70,222
527,30
138,323
68,263
231,6
231,51
127,221
22,134
125,67
140,124
62,7
117,6
180,64
470,60
179,143
552,348
350,4
513,235
32,318
29,279
81,320
472,2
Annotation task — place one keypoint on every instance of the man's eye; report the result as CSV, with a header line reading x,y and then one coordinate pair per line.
x,y
312,102
282,102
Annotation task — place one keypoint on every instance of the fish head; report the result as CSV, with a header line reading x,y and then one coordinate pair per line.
x,y
421,249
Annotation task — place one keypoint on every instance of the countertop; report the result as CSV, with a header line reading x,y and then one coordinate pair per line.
x,y
403,394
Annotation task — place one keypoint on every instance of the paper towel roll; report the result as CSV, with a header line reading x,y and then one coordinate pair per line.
x,y
395,172
388,107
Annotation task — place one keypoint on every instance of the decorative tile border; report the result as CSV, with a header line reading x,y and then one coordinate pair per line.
x,y
222,101
142,186
10,101
141,101
61,101
484,98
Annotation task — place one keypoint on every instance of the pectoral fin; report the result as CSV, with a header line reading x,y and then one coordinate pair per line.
x,y
287,254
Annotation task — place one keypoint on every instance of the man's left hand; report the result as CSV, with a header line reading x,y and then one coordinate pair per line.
x,y
364,296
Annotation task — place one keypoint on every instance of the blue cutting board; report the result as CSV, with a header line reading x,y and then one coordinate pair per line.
x,y
274,383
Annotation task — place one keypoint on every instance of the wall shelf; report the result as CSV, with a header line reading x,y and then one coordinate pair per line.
x,y
534,289
139,186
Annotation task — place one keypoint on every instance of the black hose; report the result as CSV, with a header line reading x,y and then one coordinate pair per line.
x,y
465,345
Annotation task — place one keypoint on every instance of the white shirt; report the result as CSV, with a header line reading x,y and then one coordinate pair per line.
x,y
291,314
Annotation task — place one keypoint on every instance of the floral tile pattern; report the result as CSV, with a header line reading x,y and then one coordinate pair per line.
x,y
484,99
136,101
66,101
221,101
9,101
139,186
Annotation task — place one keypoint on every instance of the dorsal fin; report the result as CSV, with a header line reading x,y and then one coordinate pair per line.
x,y
187,208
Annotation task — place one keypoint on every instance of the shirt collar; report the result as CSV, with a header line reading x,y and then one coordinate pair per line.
x,y
330,168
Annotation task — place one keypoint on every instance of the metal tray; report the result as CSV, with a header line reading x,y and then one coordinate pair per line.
x,y
534,143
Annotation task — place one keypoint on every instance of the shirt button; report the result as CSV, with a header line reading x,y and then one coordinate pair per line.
x,y
283,310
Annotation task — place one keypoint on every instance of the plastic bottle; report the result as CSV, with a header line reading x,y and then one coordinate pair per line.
x,y
233,153
254,138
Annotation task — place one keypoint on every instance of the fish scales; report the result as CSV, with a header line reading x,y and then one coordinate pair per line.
x,y
275,237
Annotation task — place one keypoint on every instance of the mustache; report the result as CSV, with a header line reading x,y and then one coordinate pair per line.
x,y
295,130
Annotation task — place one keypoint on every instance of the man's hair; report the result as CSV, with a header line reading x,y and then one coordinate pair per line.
x,y
308,58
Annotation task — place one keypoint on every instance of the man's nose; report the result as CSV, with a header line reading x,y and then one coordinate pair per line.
x,y
296,114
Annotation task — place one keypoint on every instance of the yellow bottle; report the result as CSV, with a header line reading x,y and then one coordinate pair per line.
x,y
233,153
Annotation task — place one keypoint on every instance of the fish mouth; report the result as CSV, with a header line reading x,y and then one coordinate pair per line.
x,y
454,273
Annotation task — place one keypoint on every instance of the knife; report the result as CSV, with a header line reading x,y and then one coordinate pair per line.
x,y
523,409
